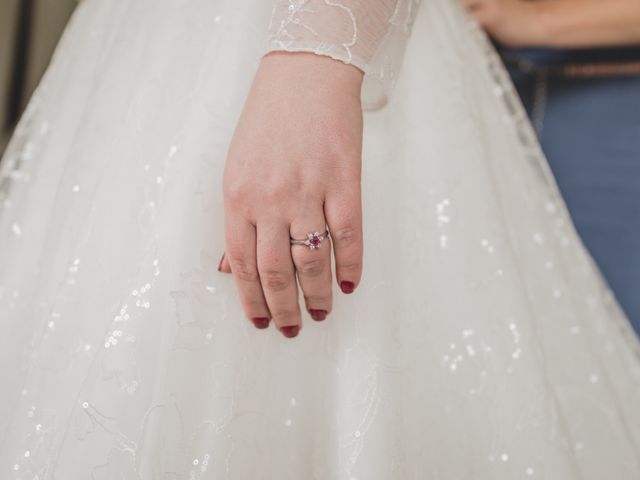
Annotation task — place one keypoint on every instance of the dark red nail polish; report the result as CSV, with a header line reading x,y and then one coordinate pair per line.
x,y
290,331
220,263
318,314
261,322
347,287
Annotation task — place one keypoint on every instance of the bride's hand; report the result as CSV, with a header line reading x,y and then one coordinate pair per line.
x,y
514,23
294,166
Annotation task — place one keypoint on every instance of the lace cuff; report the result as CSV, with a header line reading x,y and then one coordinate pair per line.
x,y
369,34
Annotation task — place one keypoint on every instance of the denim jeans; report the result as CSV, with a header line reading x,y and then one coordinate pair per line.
x,y
589,129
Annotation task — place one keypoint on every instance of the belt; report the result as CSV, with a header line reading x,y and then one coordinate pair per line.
x,y
543,73
576,70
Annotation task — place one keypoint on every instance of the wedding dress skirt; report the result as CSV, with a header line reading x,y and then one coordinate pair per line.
x,y
482,342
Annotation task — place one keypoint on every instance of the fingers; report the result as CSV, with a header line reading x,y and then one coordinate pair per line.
x,y
265,264
277,276
313,265
343,211
224,265
240,237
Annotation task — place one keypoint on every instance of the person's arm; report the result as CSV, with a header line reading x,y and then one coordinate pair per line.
x,y
559,23
586,23
294,162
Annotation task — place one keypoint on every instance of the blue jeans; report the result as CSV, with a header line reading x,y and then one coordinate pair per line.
x,y
589,129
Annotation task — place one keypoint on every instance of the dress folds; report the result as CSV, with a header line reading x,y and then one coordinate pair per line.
x,y
482,342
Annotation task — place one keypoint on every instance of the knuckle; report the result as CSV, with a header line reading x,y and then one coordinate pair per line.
x,y
348,175
347,266
277,191
244,270
274,193
275,280
311,268
346,235
235,193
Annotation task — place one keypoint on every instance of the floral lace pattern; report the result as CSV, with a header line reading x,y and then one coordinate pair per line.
x,y
369,35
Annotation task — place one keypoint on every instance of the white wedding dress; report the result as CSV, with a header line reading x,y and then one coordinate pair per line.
x,y
481,344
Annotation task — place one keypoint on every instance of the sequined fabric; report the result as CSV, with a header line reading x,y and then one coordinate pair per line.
x,y
481,344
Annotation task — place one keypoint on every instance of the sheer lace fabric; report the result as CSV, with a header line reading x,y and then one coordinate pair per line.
x,y
481,344
368,34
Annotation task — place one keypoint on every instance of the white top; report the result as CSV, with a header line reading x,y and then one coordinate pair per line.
x,y
369,34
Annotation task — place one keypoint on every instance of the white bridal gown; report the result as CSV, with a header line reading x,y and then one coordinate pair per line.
x,y
482,343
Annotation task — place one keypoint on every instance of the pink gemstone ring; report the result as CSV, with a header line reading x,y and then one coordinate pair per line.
x,y
313,240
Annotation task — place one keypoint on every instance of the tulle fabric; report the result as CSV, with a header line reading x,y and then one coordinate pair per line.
x,y
482,342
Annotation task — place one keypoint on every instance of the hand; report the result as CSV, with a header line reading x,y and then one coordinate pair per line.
x,y
514,23
559,23
294,166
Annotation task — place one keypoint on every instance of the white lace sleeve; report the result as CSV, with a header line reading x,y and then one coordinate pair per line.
x,y
369,34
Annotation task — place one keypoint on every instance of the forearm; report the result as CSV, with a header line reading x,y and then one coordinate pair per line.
x,y
588,23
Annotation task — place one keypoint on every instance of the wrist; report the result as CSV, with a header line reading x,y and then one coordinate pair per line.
x,y
314,69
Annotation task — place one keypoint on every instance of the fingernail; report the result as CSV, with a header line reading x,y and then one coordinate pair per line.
x,y
318,314
220,263
261,322
347,287
290,331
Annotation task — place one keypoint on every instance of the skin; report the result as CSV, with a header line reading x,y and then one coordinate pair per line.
x,y
559,23
294,165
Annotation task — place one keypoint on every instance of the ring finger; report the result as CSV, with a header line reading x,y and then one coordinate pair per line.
x,y
313,265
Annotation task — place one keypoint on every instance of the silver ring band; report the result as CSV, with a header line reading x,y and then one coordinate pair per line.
x,y
313,240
